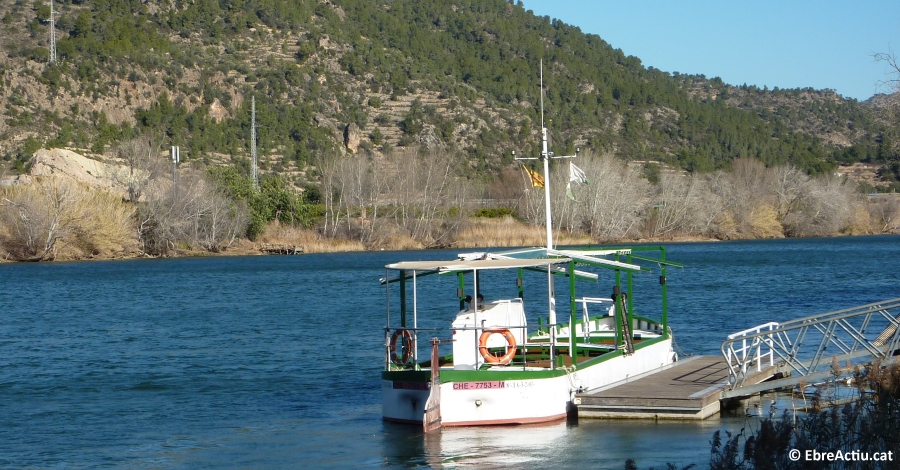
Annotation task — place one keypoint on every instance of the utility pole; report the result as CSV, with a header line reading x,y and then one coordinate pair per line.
x,y
52,34
254,168
176,157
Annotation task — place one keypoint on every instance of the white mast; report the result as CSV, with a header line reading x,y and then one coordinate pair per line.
x,y
545,156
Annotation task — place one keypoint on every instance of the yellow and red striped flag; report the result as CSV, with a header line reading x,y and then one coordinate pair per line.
x,y
537,180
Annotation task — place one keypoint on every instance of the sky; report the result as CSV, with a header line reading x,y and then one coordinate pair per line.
x,y
784,44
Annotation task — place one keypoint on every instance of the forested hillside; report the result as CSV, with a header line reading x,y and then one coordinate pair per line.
x,y
392,124
460,74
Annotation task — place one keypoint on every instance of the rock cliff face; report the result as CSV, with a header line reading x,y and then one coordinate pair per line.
x,y
66,163
352,137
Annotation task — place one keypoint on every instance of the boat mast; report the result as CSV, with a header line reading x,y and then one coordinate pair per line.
x,y
551,287
545,156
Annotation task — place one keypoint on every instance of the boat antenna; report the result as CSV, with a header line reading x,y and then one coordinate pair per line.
x,y
542,93
545,156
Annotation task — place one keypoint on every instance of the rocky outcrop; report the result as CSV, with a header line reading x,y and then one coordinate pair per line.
x,y
352,137
66,163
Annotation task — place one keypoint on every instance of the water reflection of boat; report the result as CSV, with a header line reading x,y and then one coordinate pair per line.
x,y
483,447
503,370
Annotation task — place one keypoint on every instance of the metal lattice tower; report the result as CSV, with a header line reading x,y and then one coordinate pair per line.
x,y
254,167
52,34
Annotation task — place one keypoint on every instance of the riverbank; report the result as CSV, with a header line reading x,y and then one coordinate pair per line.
x,y
478,233
481,233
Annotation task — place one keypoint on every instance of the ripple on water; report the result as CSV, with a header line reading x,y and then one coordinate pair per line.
x,y
274,361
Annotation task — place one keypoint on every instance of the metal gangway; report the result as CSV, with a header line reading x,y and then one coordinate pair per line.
x,y
812,348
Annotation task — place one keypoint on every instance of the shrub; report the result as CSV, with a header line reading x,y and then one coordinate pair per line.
x,y
62,218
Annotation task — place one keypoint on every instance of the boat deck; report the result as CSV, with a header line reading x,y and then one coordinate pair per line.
x,y
688,389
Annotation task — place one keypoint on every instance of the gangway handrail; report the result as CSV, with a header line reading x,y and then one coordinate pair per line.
x,y
757,342
755,329
840,334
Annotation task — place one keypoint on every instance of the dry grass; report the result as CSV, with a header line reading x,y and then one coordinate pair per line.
x,y
398,242
107,228
310,240
487,233
59,218
763,222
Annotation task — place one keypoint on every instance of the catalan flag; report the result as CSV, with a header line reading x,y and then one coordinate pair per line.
x,y
537,180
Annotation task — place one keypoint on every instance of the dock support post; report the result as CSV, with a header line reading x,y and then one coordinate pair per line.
x,y
403,298
665,298
573,330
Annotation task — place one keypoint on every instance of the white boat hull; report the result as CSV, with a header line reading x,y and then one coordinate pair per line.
x,y
512,400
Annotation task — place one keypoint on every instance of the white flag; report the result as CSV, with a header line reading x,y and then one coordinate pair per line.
x,y
577,175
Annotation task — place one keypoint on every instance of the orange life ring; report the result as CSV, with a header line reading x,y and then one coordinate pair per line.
x,y
510,350
401,360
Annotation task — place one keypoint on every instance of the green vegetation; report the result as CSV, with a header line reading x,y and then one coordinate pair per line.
x,y
494,212
481,54
273,200
434,96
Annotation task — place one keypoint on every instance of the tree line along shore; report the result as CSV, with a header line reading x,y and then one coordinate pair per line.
x,y
413,199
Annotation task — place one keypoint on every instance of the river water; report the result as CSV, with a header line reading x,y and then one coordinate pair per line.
x,y
273,362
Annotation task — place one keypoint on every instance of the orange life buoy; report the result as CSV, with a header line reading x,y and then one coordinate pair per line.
x,y
510,343
407,346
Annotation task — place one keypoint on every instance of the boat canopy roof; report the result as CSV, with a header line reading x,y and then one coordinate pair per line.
x,y
468,265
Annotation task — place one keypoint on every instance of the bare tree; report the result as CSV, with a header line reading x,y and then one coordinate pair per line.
x,y
353,186
609,207
747,200
885,211
329,168
615,199
142,165
678,207
787,185
38,220
362,186
825,207
37,217
198,214
411,193
422,189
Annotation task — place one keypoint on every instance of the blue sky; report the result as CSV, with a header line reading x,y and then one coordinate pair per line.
x,y
788,44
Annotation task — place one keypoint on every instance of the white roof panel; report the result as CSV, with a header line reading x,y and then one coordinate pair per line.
x,y
464,265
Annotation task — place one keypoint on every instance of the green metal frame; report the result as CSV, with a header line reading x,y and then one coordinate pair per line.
x,y
570,272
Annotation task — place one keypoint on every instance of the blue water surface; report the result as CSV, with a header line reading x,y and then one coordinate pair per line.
x,y
273,362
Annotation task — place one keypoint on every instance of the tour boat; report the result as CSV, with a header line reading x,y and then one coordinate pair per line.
x,y
496,367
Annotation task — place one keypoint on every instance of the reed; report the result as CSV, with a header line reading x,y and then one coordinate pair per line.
x,y
62,219
310,240
507,231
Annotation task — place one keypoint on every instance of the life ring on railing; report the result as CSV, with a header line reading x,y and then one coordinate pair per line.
x,y
510,343
403,359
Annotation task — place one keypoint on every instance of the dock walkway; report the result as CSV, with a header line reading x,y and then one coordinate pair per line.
x,y
688,389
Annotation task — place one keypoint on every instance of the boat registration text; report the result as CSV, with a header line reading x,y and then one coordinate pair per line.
x,y
491,385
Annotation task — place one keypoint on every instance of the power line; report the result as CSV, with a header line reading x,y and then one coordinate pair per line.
x,y
52,34
254,167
